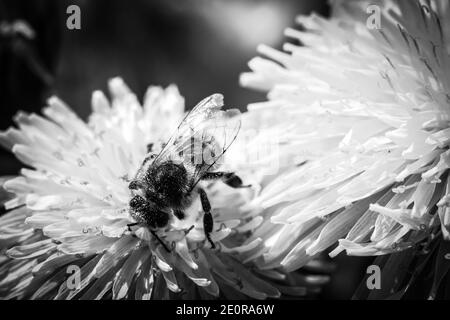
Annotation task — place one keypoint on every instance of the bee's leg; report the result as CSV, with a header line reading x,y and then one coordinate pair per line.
x,y
159,240
208,222
188,230
229,178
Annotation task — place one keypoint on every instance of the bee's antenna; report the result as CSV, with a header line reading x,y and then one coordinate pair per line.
x,y
131,225
160,241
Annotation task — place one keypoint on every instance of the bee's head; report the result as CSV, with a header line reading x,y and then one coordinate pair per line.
x,y
145,211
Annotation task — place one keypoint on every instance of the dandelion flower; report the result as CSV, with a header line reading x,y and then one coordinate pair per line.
x,y
363,115
69,212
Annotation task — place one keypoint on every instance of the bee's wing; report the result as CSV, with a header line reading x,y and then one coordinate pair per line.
x,y
203,136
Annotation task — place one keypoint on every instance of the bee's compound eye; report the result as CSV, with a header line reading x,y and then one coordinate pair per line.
x,y
137,202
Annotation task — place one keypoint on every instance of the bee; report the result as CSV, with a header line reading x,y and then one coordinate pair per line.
x,y
168,181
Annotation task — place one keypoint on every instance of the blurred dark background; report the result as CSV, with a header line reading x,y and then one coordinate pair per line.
x,y
200,45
